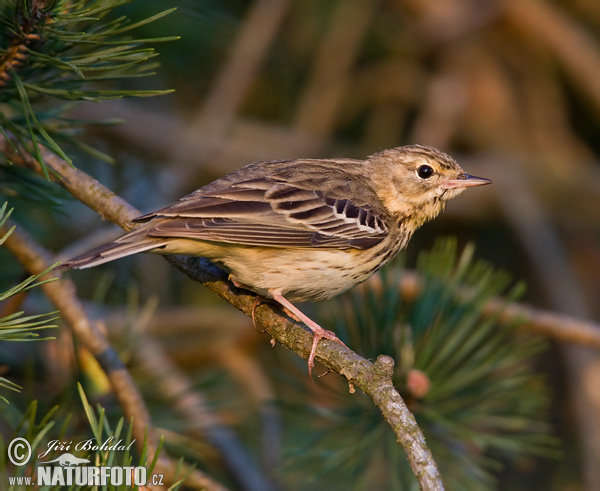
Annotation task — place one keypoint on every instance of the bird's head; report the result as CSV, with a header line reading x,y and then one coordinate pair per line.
x,y
414,181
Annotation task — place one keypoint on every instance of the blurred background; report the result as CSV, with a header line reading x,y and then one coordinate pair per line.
x,y
510,88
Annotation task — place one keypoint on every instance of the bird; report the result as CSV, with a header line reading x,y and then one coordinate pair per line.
x,y
304,229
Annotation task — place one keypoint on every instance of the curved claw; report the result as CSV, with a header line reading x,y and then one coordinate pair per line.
x,y
257,301
311,356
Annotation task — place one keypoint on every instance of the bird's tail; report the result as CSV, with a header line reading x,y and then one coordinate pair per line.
x,y
131,243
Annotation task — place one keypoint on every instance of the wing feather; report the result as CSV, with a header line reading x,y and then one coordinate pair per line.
x,y
270,212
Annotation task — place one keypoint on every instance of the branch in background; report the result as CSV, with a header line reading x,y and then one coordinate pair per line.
x,y
188,153
546,252
35,259
254,39
562,328
190,340
174,386
176,389
578,52
372,379
323,95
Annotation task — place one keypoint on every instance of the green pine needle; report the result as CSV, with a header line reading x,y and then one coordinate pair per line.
x,y
16,326
66,52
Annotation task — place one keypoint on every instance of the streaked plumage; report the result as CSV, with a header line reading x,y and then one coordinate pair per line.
x,y
300,230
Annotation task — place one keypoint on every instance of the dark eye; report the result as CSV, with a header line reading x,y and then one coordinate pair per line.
x,y
425,172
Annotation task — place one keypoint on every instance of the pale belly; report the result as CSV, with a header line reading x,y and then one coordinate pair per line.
x,y
297,274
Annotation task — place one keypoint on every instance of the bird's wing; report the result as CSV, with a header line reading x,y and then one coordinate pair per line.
x,y
270,212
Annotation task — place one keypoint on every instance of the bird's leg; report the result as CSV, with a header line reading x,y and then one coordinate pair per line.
x,y
318,331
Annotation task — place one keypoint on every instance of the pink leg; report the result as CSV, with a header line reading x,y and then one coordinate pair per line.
x,y
318,331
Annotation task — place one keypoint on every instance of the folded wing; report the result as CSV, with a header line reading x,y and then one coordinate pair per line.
x,y
269,212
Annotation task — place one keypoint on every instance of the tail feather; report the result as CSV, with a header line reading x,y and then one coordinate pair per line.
x,y
131,243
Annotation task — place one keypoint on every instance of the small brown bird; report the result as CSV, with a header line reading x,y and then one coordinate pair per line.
x,y
306,229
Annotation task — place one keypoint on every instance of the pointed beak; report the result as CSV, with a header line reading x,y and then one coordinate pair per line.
x,y
464,181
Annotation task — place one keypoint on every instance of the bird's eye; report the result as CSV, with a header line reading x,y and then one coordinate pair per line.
x,y
425,172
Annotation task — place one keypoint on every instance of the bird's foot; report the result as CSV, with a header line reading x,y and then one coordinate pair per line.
x,y
318,332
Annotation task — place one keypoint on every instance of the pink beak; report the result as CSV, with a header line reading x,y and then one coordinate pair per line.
x,y
464,181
